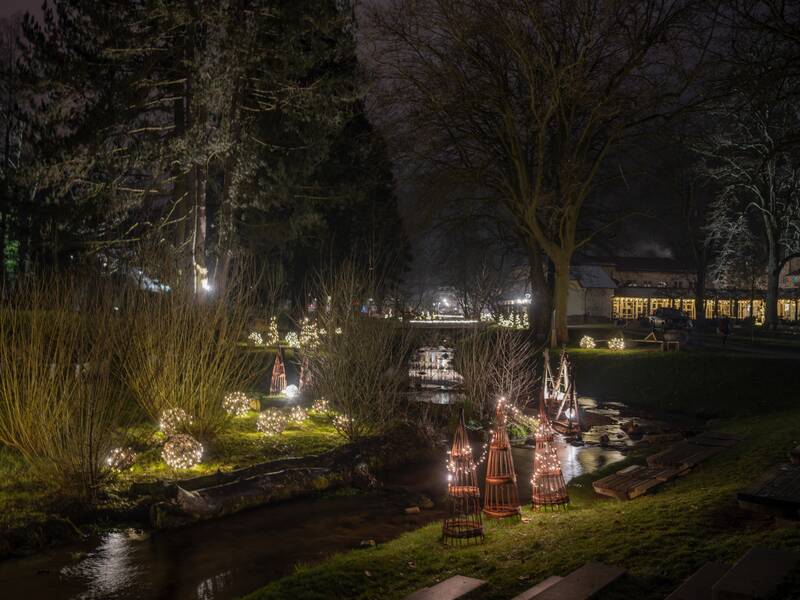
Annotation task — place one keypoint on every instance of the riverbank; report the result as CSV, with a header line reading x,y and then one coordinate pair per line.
x,y
660,538
34,515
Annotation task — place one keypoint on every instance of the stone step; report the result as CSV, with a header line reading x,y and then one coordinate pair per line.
x,y
538,588
449,589
583,583
756,575
698,586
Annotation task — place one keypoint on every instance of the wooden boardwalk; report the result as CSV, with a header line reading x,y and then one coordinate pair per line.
x,y
673,462
778,493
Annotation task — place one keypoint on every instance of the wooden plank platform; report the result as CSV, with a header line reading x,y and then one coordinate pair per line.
x,y
633,481
683,455
582,583
531,593
449,589
698,585
756,575
778,493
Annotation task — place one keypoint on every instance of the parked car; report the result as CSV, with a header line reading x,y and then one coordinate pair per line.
x,y
670,318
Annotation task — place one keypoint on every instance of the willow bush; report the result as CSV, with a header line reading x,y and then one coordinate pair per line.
x,y
185,353
61,402
360,363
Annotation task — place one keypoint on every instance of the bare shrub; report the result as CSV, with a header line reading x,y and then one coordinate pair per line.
x,y
61,402
185,353
359,364
494,363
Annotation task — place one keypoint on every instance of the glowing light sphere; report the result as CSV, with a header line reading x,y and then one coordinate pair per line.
x,y
271,422
616,343
182,451
320,405
588,342
291,392
120,459
298,414
256,338
236,404
174,420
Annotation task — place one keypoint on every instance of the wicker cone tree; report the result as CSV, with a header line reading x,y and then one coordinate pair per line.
x,y
549,489
463,523
278,381
501,496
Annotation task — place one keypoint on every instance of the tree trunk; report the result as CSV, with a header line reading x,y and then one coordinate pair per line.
x,y
540,307
700,295
199,236
560,298
773,281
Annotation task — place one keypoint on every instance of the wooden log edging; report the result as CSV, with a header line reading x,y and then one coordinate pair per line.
x,y
220,494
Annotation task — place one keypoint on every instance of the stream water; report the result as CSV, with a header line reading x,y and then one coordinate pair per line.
x,y
229,557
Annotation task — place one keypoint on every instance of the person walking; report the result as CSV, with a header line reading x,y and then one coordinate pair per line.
x,y
725,329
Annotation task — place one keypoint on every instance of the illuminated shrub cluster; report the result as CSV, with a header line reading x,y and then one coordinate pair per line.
x,y
271,422
182,451
174,420
588,342
120,459
236,404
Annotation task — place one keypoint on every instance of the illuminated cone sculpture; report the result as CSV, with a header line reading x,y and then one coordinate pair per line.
x,y
549,489
501,496
463,523
567,415
278,382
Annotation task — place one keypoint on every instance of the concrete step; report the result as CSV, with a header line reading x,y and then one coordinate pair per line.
x,y
698,586
538,588
583,583
449,589
756,575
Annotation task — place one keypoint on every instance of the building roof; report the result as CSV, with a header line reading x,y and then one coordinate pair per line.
x,y
591,276
637,263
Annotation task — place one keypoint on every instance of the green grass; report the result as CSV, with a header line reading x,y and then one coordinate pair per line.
x,y
660,539
698,384
23,499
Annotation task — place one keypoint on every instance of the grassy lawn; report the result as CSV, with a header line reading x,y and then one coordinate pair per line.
x,y
699,384
24,499
660,538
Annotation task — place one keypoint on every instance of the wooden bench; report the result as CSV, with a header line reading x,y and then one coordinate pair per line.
x,y
777,493
449,589
756,575
698,586
583,583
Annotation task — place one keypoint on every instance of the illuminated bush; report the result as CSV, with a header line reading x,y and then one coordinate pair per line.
x,y
182,451
292,340
256,338
588,342
120,459
616,343
174,420
237,404
298,414
321,406
271,422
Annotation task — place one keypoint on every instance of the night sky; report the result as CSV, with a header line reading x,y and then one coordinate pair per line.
x,y
9,7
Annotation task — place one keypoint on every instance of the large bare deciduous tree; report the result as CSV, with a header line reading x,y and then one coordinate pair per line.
x,y
525,99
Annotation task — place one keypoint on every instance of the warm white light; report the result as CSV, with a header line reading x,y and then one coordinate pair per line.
x,y
182,451
174,420
120,459
588,342
616,343
271,422
206,285
236,404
